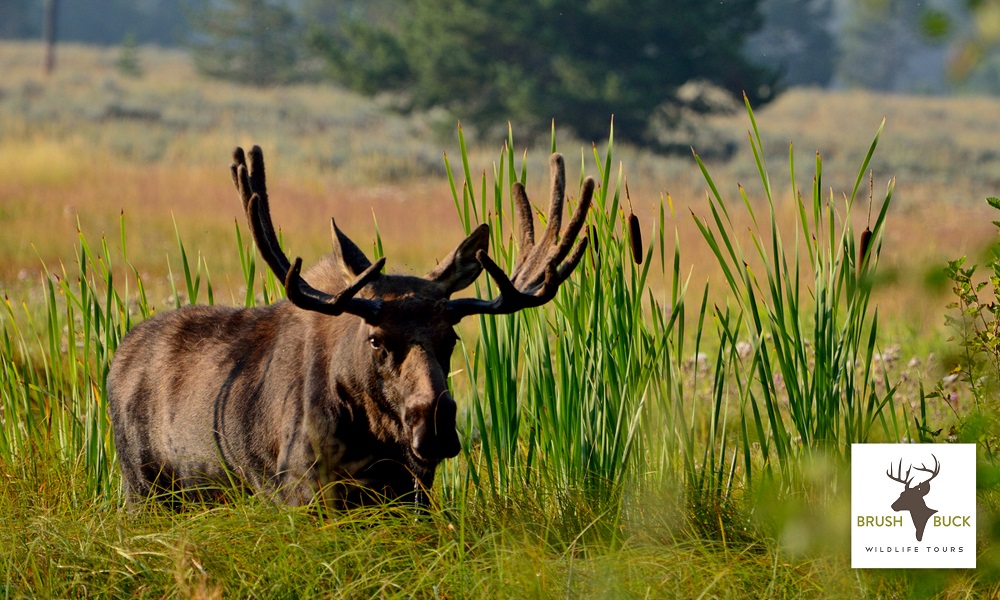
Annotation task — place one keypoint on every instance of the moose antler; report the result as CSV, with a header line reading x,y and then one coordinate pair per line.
x,y
899,477
250,185
540,269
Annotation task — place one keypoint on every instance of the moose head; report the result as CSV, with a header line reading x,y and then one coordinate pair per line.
x,y
339,392
912,498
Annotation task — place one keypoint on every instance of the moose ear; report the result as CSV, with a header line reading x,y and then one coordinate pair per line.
x,y
460,268
347,252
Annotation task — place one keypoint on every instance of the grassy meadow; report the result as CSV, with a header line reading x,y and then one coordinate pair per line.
x,y
674,428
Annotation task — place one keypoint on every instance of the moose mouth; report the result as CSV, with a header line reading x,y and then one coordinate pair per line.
x,y
433,438
423,478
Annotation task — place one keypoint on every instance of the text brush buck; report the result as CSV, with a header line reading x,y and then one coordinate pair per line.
x,y
337,393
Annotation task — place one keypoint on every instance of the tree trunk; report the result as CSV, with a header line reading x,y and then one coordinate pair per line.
x,y
51,7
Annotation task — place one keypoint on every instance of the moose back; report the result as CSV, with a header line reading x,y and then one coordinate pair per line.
x,y
338,393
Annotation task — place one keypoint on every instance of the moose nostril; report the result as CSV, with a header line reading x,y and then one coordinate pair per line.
x,y
430,445
433,435
421,441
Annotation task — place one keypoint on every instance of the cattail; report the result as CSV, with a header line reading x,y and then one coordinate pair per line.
x,y
635,238
866,235
866,239
634,233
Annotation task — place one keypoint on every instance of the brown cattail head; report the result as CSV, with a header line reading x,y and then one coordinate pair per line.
x,y
866,240
635,238
634,233
866,235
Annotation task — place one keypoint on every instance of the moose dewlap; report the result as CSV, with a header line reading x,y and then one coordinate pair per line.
x,y
337,394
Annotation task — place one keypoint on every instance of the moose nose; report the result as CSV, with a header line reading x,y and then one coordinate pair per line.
x,y
433,433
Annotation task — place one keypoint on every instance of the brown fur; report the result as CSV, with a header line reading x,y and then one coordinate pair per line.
x,y
288,402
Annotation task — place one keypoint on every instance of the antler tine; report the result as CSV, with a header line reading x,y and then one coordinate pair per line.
x,y
899,477
259,187
934,472
557,185
526,222
567,267
251,185
304,296
541,269
531,265
576,223
550,249
257,178
239,158
510,299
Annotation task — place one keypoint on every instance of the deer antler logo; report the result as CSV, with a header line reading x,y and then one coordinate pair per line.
x,y
912,498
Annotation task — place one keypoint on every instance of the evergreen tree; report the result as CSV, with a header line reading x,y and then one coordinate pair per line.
x,y
879,38
797,38
257,42
128,58
490,61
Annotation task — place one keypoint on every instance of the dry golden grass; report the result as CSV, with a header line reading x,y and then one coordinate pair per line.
x,y
89,143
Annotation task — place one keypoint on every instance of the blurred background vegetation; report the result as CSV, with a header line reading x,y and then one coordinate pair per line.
x,y
578,62
366,94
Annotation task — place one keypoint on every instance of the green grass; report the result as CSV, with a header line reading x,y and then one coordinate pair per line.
x,y
807,318
64,543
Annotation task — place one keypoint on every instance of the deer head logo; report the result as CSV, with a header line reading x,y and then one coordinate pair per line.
x,y
912,498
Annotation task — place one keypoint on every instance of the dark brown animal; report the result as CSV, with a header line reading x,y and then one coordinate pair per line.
x,y
912,498
338,395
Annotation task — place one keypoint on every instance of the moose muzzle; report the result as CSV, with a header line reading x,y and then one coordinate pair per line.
x,y
433,436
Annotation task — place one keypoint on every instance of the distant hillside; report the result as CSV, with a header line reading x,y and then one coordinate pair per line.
x,y
171,113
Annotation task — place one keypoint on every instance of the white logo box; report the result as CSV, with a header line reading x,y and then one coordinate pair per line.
x,y
886,513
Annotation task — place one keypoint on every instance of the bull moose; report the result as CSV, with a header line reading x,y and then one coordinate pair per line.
x,y
338,394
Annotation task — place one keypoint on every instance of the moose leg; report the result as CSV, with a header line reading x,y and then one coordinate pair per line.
x,y
137,488
294,483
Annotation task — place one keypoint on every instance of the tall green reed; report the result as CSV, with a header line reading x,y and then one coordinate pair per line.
x,y
55,353
806,379
556,393
55,360
615,385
